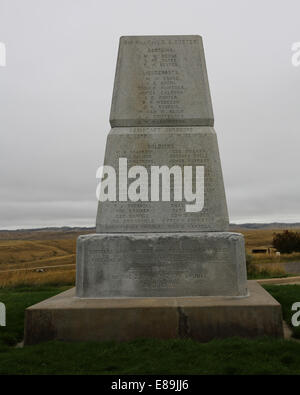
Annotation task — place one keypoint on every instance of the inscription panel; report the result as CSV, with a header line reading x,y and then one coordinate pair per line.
x,y
161,80
161,264
181,146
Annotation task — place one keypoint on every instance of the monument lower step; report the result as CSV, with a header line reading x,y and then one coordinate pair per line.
x,y
65,317
161,265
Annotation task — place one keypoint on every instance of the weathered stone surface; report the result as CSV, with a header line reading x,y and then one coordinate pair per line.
x,y
65,317
160,265
180,146
161,80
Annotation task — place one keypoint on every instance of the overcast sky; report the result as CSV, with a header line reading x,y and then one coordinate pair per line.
x,y
56,88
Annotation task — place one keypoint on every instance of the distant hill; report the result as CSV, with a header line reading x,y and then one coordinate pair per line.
x,y
65,232
68,232
273,225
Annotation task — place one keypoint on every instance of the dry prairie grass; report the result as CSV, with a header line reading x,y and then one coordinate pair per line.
x,y
19,251
46,262
31,254
267,270
62,276
263,258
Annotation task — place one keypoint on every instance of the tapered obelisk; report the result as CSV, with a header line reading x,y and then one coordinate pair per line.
x,y
161,115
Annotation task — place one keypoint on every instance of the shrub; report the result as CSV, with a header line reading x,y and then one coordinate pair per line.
x,y
287,242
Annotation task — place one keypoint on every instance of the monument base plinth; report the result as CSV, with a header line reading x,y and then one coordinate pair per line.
x,y
69,318
156,265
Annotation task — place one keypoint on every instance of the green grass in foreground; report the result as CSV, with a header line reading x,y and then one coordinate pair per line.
x,y
16,301
230,356
286,295
148,356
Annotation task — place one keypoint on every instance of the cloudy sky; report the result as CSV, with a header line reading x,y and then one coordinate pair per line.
x,y
56,88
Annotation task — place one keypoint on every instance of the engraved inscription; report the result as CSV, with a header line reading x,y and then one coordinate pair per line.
x,y
167,147
165,83
155,268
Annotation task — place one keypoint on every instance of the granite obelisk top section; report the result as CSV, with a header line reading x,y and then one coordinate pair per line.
x,y
161,116
161,81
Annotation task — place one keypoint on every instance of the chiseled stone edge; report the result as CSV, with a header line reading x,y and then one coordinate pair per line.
x,y
116,123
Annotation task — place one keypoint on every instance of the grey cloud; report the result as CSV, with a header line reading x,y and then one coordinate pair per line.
x,y
56,90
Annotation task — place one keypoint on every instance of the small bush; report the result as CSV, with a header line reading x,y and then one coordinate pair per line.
x,y
287,242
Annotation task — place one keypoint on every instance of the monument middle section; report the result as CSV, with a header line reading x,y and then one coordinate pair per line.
x,y
150,147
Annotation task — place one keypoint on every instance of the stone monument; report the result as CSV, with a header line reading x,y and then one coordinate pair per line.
x,y
160,267
161,115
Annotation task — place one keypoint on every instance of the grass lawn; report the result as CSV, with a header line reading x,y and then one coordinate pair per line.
x,y
16,301
286,296
143,356
231,356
